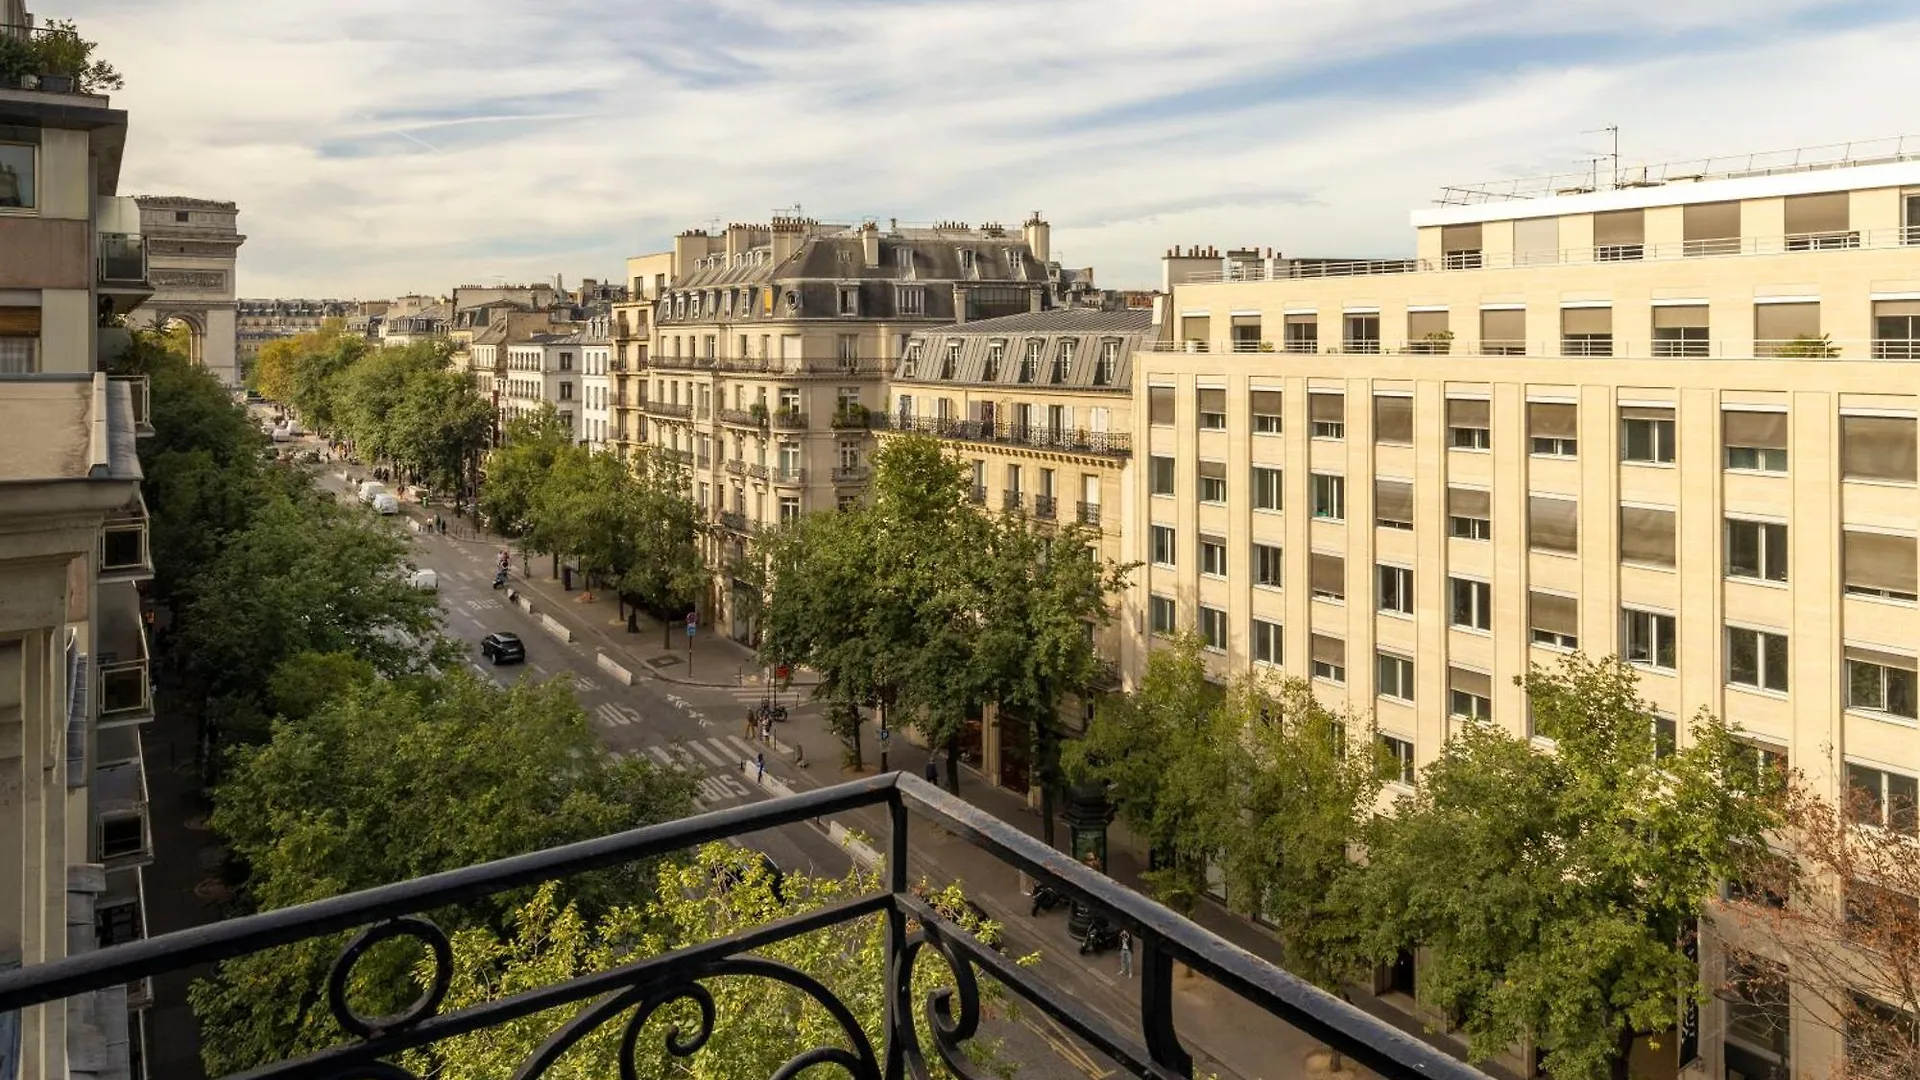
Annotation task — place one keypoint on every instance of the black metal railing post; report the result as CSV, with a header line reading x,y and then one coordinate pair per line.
x,y
899,1013
1156,1008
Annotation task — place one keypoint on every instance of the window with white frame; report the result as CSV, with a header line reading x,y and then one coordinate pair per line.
x,y
1881,682
1469,513
1395,589
1879,564
1468,426
1757,659
1266,488
1267,565
1553,428
1754,441
1328,414
1162,615
1264,405
1469,694
1107,364
1646,435
1213,628
1756,549
1160,479
1212,405
1393,676
1162,538
1329,659
1884,798
1213,556
1648,638
1396,759
1213,482
1266,643
1329,497
912,299
1471,604
1553,619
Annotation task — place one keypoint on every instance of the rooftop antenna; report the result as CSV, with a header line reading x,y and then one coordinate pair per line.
x,y
1613,130
787,211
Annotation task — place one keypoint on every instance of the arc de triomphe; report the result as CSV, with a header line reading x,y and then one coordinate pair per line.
x,y
192,245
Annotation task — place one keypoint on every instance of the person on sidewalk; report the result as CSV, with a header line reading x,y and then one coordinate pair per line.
x,y
748,730
933,772
759,766
1126,954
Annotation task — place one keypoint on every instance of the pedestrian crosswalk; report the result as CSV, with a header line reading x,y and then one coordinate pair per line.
x,y
722,764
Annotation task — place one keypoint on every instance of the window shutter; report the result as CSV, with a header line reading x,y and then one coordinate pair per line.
x,y
1477,683
1467,413
1784,322
1646,412
1680,317
1422,323
1505,325
1646,536
1586,320
19,322
1819,213
1213,400
1552,420
1213,470
1879,561
1877,447
1536,241
1554,614
1329,650
1327,573
1553,524
1327,408
1469,503
1303,320
1393,500
1245,320
1264,402
1884,659
1460,237
1194,327
1160,404
1761,430
1612,227
1711,221
1393,419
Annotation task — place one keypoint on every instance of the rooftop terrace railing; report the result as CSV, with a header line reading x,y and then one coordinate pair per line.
x,y
629,993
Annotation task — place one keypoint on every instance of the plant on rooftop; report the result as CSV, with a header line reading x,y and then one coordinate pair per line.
x,y
58,49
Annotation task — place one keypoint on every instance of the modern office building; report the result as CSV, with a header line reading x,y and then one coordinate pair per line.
x,y
1672,420
74,686
1040,408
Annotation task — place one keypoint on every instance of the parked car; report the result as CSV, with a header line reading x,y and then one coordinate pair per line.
x,y
503,648
370,488
424,578
384,504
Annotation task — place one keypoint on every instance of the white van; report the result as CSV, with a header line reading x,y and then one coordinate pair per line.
x,y
384,503
370,489
424,578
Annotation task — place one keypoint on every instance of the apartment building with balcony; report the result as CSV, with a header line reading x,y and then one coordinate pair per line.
x,y
631,333
772,343
1672,420
1040,407
74,686
596,383
546,369
259,321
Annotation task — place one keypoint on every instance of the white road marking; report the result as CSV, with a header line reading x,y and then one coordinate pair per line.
x,y
712,758
725,750
715,789
686,759
616,715
746,748
660,755
484,605
538,668
584,685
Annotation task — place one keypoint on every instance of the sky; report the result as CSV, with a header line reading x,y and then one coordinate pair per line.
x,y
376,149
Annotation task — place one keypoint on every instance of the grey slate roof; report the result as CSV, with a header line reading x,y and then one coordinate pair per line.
x,y
1086,330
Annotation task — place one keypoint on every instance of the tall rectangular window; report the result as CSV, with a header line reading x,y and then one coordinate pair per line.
x,y
1267,565
1648,637
1755,441
1879,564
1160,405
1469,513
1472,604
1329,497
1302,334
1392,419
1160,479
1213,482
1469,694
1395,589
1757,659
1213,408
1328,412
1553,620
1756,549
1162,538
1213,556
1396,757
1360,333
1213,628
19,165
1553,428
1266,643
1877,447
1553,524
1468,427
1394,676
1646,435
1266,488
1162,614
1264,405
1329,658
1328,576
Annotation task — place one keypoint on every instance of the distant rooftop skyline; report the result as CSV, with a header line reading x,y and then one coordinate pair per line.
x,y
377,149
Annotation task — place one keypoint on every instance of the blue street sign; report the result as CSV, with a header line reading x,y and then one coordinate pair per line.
x,y
690,627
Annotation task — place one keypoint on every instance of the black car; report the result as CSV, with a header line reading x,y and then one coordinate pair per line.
x,y
503,649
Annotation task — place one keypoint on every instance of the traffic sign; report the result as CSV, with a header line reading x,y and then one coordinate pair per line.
x,y
690,627
885,734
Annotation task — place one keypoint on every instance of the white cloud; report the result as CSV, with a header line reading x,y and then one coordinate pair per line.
x,y
383,148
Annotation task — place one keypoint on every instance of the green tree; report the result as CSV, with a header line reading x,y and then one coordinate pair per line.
x,y
312,386
374,400
758,1023
1552,889
818,585
664,566
445,772
517,469
440,427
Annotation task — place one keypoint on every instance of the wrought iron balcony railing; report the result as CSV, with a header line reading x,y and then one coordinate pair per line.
x,y
629,994
1037,436
743,418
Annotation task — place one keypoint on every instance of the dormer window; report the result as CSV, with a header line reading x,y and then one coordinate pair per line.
x,y
967,267
680,306
726,305
849,300
996,352
911,368
1062,362
1030,361
952,360
912,300
1013,263
793,300
904,256
1103,370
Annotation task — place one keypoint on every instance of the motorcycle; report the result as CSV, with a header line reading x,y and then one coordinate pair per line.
x,y
500,578
775,713
1099,937
1046,898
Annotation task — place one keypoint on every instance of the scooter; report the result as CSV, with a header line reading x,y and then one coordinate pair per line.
x,y
1046,898
500,578
1099,938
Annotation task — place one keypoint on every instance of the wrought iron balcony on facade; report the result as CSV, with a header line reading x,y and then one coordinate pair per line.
x,y
743,418
627,996
1090,514
1043,506
789,420
733,520
1035,436
851,474
672,410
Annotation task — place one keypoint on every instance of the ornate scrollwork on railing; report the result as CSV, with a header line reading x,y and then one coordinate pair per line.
x,y
426,1005
950,1029
685,984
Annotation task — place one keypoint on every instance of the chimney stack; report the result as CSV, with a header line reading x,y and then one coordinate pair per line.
x,y
870,244
1039,238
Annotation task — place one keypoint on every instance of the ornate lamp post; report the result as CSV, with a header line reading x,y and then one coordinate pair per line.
x,y
1088,814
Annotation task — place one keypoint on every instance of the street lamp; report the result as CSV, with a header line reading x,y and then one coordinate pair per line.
x,y
1088,815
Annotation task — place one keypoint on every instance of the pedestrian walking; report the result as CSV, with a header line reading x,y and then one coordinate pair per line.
x,y
759,765
766,731
933,772
1126,954
748,730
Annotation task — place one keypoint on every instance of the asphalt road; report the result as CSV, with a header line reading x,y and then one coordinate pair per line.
x,y
698,729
